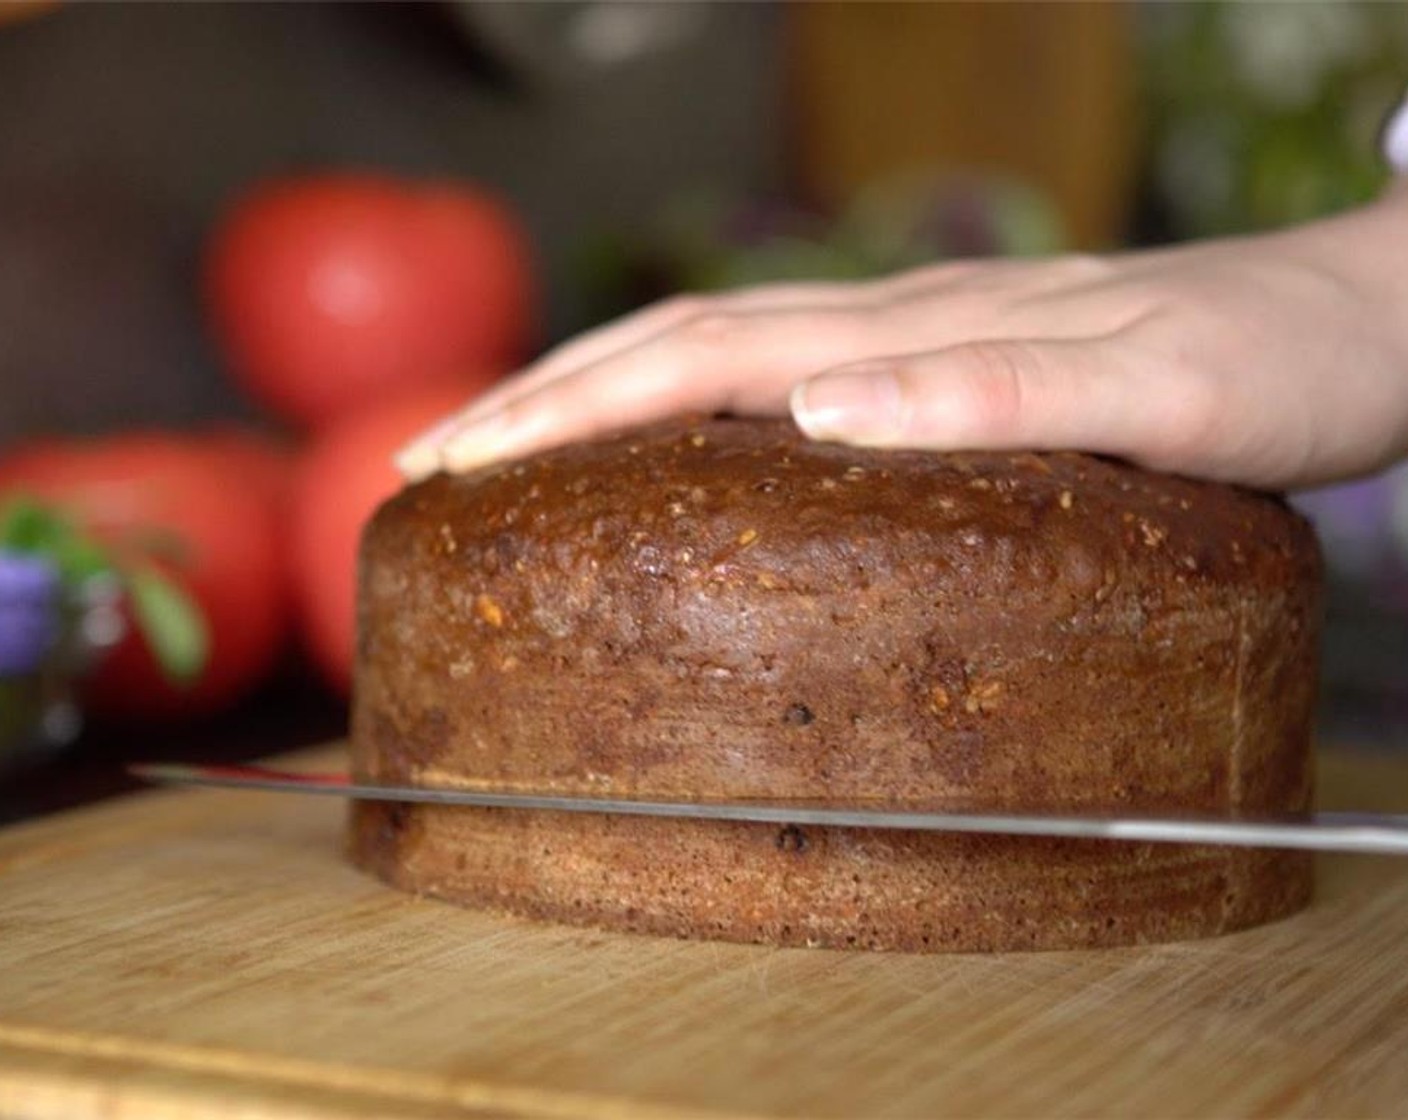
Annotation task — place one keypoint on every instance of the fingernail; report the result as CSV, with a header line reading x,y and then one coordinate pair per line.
x,y
420,456
863,405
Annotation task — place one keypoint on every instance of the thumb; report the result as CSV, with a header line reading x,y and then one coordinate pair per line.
x,y
989,395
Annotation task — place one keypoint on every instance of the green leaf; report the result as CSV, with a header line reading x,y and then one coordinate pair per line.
x,y
168,619
80,559
31,527
27,526
171,622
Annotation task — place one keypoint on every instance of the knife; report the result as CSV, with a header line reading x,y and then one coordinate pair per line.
x,y
1325,832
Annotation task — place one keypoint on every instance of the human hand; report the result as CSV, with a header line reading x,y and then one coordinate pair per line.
x,y
1279,360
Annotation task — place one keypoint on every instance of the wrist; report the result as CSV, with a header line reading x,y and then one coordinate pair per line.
x,y
1363,250
1381,234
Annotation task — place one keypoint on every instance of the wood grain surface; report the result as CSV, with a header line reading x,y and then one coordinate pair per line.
x,y
212,953
1045,93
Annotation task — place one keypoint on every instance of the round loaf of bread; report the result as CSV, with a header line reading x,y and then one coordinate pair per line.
x,y
726,610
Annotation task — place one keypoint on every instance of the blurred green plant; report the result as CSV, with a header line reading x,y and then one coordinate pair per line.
x,y
704,241
167,618
1264,114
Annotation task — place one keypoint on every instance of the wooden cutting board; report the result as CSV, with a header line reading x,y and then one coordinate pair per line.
x,y
211,953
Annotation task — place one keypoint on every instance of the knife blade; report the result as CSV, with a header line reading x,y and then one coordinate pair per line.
x,y
1326,832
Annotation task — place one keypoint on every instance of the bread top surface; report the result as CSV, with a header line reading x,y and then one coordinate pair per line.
x,y
724,499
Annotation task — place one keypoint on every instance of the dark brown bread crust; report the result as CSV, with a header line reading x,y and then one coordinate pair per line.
x,y
724,609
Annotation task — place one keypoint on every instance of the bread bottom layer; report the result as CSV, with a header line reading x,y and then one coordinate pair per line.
x,y
825,887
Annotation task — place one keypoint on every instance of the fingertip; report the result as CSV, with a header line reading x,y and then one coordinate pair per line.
x,y
421,451
417,461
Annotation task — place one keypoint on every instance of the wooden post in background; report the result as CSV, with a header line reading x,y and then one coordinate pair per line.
x,y
1043,92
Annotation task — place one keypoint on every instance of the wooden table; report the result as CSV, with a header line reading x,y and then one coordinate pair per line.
x,y
211,953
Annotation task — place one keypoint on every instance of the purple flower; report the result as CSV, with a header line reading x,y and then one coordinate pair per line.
x,y
29,615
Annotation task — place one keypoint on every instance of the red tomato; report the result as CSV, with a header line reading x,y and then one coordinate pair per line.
x,y
345,474
334,292
263,462
166,498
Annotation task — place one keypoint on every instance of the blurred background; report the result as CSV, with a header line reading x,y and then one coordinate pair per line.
x,y
246,250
